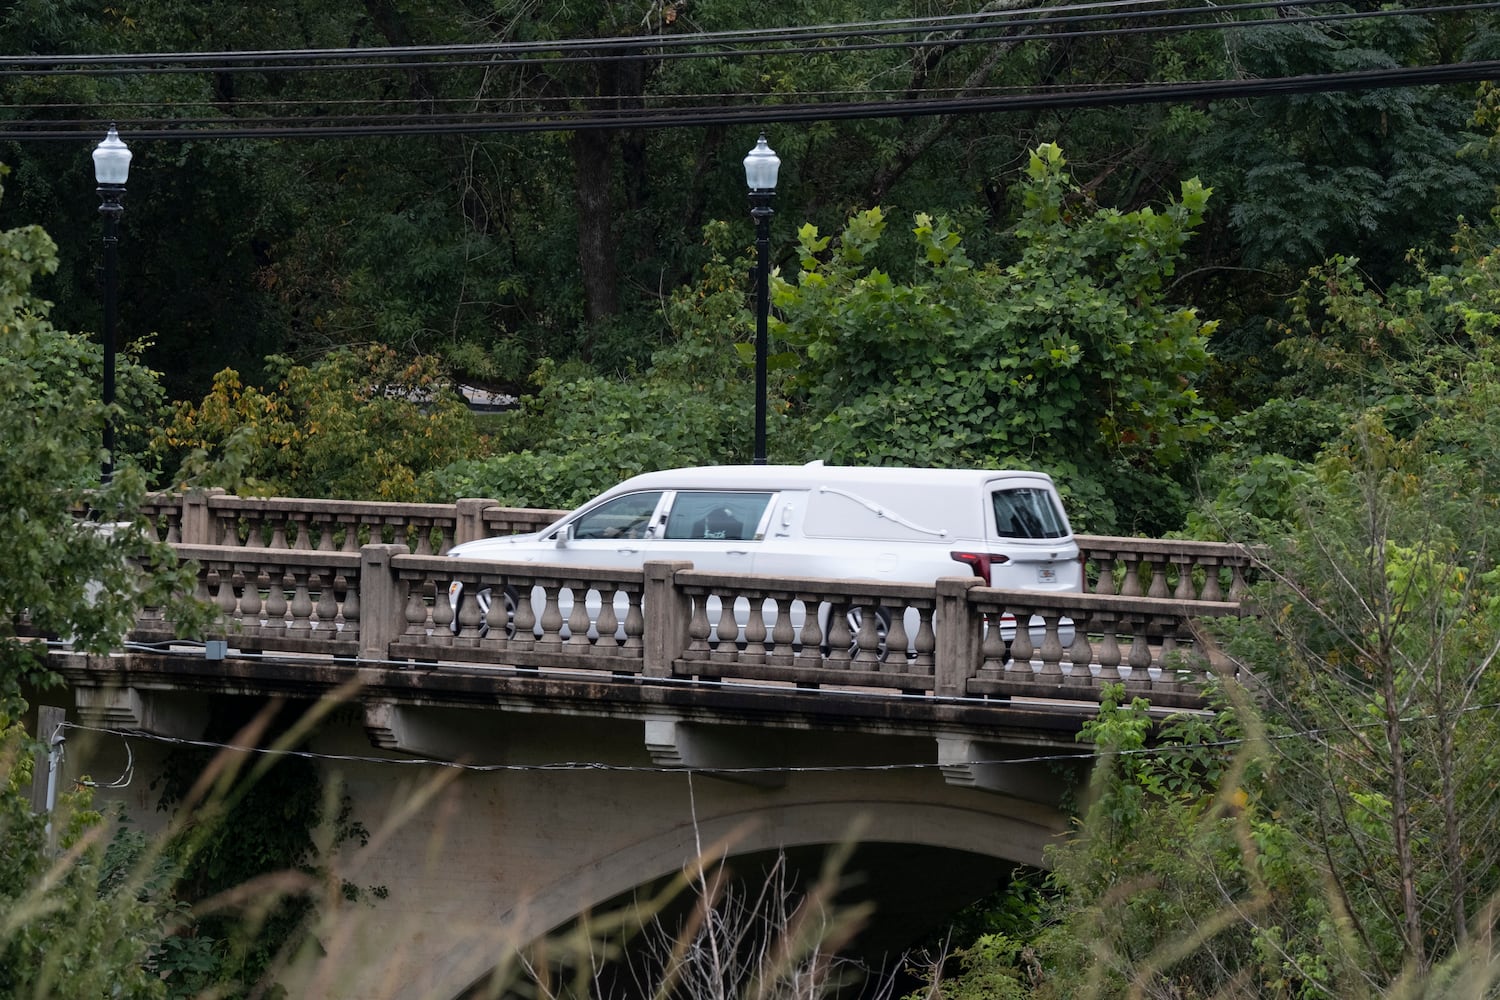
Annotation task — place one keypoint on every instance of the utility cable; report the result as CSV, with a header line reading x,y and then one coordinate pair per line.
x,y
418,125
713,45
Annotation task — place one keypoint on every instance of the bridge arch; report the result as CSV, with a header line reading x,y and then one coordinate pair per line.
x,y
531,851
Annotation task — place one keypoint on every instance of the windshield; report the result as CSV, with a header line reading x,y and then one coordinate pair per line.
x,y
623,517
1028,512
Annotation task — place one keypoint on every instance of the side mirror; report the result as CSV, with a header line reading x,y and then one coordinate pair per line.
x,y
566,535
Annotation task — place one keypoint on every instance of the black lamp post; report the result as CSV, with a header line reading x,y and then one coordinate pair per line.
x,y
111,168
761,168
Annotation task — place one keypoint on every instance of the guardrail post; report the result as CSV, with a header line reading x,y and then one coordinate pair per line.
x,y
197,520
956,652
667,611
469,519
382,601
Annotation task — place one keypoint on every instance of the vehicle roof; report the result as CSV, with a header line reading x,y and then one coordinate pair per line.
x,y
805,477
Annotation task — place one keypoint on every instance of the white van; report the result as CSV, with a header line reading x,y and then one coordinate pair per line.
x,y
888,524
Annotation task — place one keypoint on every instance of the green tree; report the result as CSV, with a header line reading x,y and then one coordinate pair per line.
x,y
66,575
1352,851
75,924
1069,356
352,425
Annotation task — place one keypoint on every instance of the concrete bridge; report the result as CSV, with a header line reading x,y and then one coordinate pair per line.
x,y
524,773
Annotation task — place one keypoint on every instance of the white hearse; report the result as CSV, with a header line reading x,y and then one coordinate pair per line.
x,y
890,524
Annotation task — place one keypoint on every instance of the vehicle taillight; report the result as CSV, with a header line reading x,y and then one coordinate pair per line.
x,y
980,562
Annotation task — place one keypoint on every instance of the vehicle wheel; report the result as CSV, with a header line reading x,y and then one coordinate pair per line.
x,y
484,597
856,618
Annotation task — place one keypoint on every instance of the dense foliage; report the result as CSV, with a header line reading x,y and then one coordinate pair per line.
x,y
66,574
1315,347
1065,357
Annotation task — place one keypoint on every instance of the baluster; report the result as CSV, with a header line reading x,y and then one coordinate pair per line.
x,y
698,630
578,617
248,617
838,634
992,651
304,534
1212,591
1021,646
926,642
635,622
755,631
1158,586
1131,585
442,613
727,631
896,642
424,543
783,635
416,613
1106,582
328,606
276,604
525,635
278,534
1051,652
1238,587
812,632
1081,652
1185,590
1108,652
552,620
1140,656
302,605
349,608
469,613
608,625
1173,672
867,641
224,593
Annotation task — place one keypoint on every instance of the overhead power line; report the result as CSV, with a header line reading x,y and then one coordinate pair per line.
x,y
490,122
309,115
714,43
959,30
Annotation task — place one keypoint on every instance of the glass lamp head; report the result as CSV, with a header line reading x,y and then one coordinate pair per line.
x,y
111,160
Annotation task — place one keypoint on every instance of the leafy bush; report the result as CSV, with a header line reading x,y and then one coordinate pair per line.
x,y
353,425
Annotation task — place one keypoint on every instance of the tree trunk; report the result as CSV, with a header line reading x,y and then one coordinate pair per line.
x,y
592,163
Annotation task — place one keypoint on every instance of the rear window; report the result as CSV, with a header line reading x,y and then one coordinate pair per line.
x,y
716,516
1028,512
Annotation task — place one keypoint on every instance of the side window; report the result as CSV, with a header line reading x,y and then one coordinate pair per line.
x,y
1027,512
623,517
717,516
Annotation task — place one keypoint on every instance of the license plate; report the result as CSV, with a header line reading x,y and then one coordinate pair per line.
x,y
1046,574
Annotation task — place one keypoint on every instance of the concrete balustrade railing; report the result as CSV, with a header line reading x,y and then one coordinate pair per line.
x,y
369,580
1166,567
1128,567
950,639
213,517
